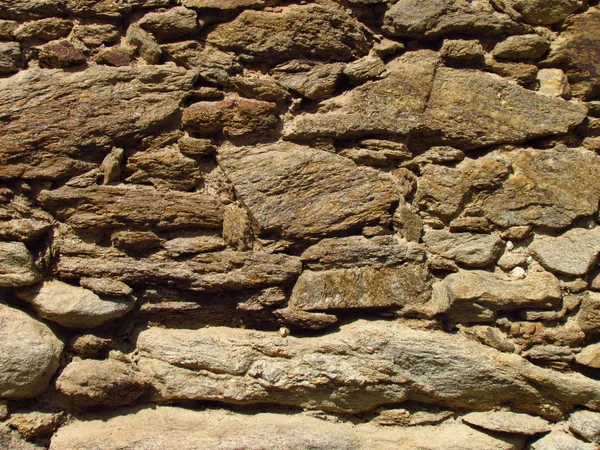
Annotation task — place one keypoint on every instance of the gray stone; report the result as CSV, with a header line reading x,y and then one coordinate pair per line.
x,y
585,424
528,46
299,191
73,306
30,354
508,422
16,265
572,253
468,249
172,428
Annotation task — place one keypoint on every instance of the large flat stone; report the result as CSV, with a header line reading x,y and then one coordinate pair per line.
x,y
126,206
59,123
172,428
358,368
297,191
508,422
30,354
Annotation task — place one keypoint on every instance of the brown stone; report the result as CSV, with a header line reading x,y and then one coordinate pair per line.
x,y
59,54
44,29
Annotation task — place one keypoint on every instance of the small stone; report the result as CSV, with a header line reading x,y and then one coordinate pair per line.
x,y
146,46
305,320
589,356
518,273
553,83
16,265
387,47
520,72
34,424
105,286
10,57
60,54
95,35
310,79
72,306
586,424
164,168
264,89
284,332
572,253
193,242
90,345
528,46
44,29
470,224
558,440
237,228
588,317
408,224
115,56
461,50
516,233
545,12
490,336
595,282
508,422
364,69
100,383
135,241
194,147
7,28
3,409
468,249
439,155
172,24
510,260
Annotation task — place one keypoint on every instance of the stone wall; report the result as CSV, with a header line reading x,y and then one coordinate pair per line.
x,y
268,224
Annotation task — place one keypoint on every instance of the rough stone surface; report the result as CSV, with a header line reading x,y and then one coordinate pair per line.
x,y
508,422
16,265
528,46
73,306
585,424
559,440
299,191
545,12
572,253
30,354
590,356
469,249
173,428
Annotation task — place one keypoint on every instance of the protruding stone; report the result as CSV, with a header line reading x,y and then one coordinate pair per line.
x,y
44,30
30,354
527,46
312,80
60,54
237,228
16,265
468,249
554,83
174,23
508,422
105,286
560,440
461,50
589,356
73,306
585,424
35,424
545,12
10,57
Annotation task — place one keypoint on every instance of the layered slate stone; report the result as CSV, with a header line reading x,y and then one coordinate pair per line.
x,y
469,249
407,287
418,96
126,206
59,123
30,354
175,428
297,191
544,12
415,19
362,366
307,31
205,272
508,422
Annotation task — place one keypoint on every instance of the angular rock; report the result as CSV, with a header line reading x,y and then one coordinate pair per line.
x,y
589,356
105,286
558,440
298,191
311,80
50,124
461,50
172,24
171,428
585,424
144,44
7,27
135,241
508,422
231,118
191,243
297,31
572,253
358,251
577,51
237,228
60,54
72,306
365,69
35,424
16,265
361,366
100,383
407,287
126,206
430,19
10,57
204,272
588,317
297,318
545,12
30,354
261,88
95,35
229,4
522,73
468,249
441,191
12,440
44,29
29,9
476,296
527,46
429,98
554,83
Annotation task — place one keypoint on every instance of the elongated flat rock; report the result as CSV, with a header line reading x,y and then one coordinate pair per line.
x,y
362,366
204,272
299,191
130,206
508,422
171,428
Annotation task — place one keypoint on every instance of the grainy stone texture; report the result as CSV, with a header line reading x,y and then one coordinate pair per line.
x,y
508,422
16,265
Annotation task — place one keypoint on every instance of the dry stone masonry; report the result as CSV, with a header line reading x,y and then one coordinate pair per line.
x,y
281,224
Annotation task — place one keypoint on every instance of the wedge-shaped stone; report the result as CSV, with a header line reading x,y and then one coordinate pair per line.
x,y
362,366
308,31
416,97
204,272
508,422
59,123
475,296
407,286
73,306
545,12
417,19
298,191
572,253
127,206
30,354
469,249
171,428
358,251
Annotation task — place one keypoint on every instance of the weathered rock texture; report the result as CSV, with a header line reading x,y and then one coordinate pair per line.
x,y
304,225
